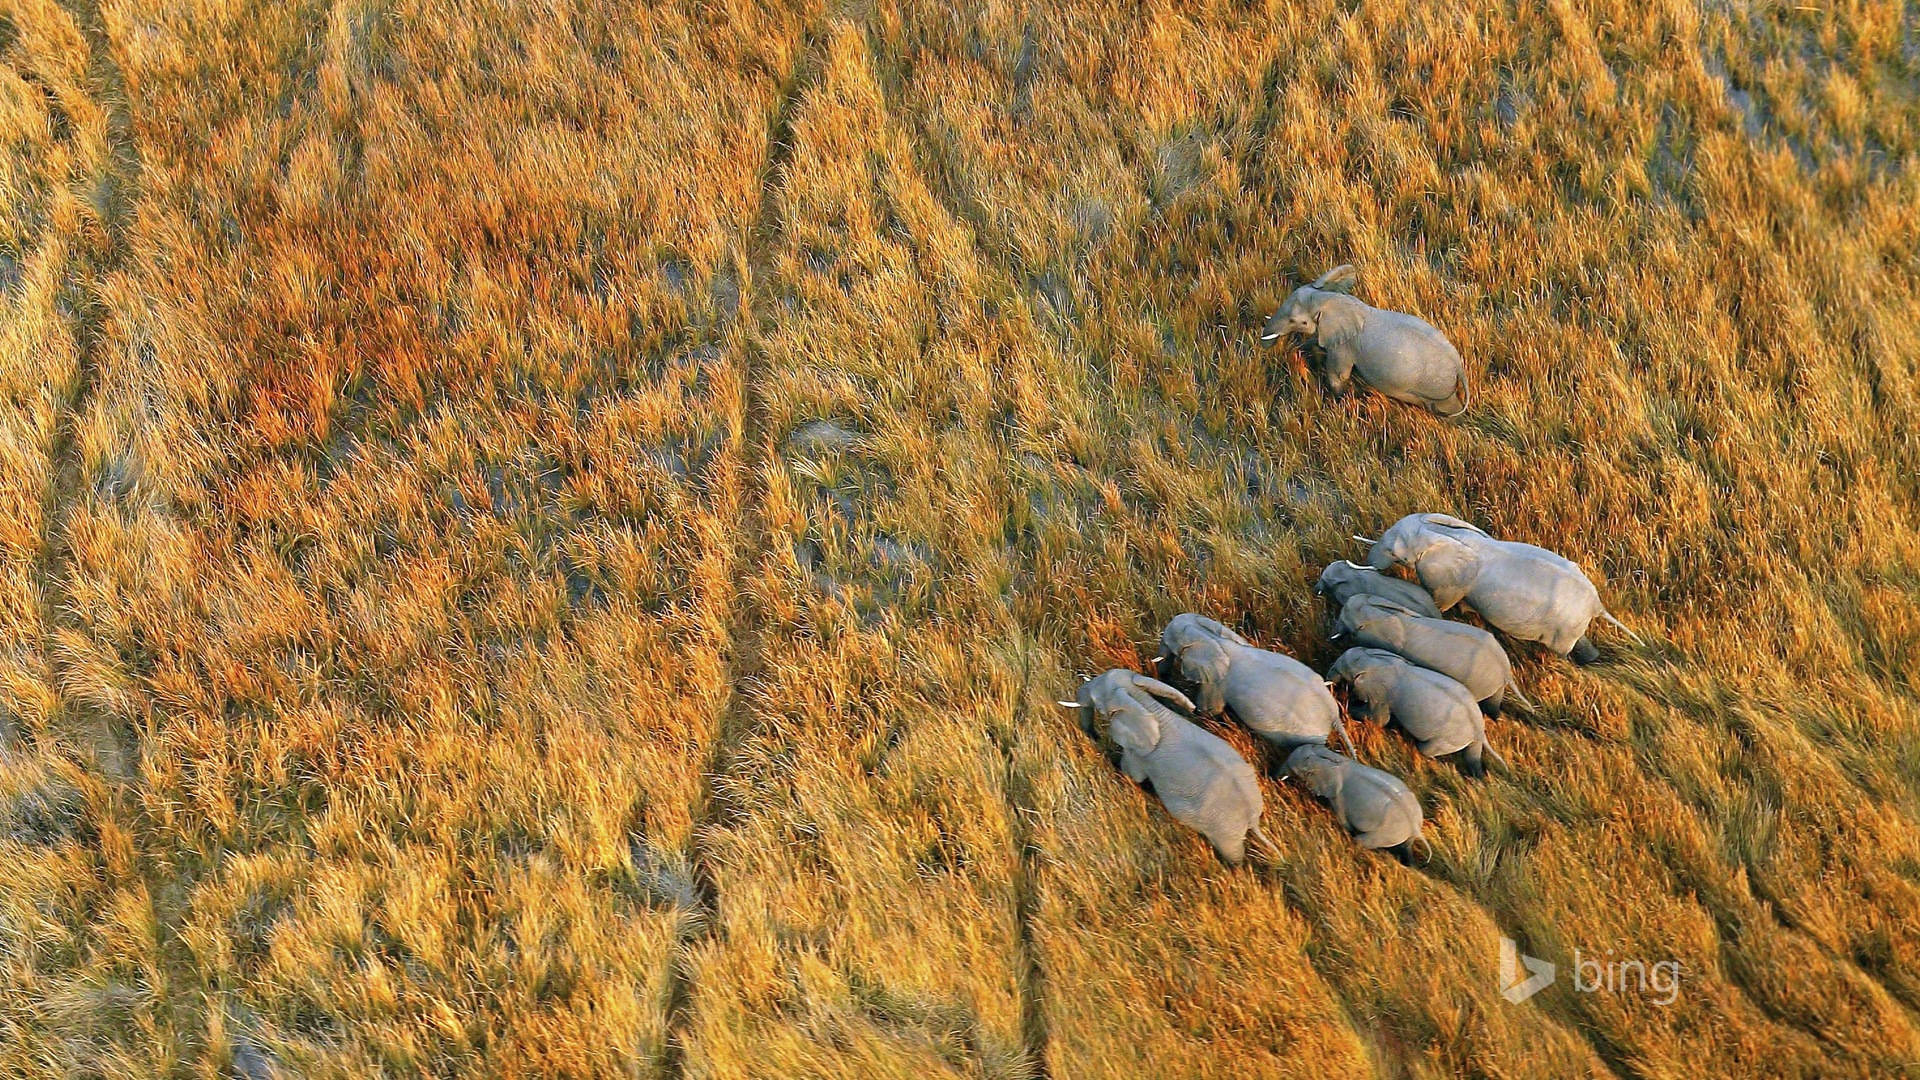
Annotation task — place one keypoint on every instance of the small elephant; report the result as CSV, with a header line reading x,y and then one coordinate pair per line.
x,y
1341,581
1281,699
1204,783
1527,592
1375,806
1399,355
1439,714
1467,654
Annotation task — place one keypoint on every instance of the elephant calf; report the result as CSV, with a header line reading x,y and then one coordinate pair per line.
x,y
1467,654
1399,355
1342,581
1375,806
1204,783
1528,592
1441,715
1283,700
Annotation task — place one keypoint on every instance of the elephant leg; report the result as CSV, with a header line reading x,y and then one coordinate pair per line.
x,y
1491,706
1453,406
1585,651
1402,851
1233,849
1473,761
1339,368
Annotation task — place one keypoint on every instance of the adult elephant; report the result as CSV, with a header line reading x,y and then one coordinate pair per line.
x,y
1527,592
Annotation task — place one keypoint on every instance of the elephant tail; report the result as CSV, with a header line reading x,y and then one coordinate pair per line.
x,y
1608,615
1428,844
1268,849
1496,755
1514,689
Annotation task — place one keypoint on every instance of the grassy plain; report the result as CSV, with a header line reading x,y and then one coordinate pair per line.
x,y
540,539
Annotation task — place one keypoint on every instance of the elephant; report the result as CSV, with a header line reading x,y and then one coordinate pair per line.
x,y
1399,355
1283,700
1343,580
1204,783
1467,654
1526,592
1439,714
1375,806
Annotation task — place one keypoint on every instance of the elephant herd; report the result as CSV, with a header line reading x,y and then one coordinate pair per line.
x,y
1435,679
1408,666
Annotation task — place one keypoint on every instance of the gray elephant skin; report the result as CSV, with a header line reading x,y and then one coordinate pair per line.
x,y
1283,700
1467,654
1343,580
1375,806
1399,355
1203,782
1527,592
1441,716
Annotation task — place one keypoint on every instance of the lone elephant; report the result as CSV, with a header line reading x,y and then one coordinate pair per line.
x,y
1399,355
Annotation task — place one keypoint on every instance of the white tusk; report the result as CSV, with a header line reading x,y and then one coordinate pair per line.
x,y
1068,704
1269,337
1359,566
1363,539
1157,659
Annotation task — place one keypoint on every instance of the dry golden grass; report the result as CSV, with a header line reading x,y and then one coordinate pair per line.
x,y
541,539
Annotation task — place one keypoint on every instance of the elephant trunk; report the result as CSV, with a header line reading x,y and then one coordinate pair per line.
x,y
1082,715
1211,698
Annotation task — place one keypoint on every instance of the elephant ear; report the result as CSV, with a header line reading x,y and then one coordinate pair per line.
x,y
1448,521
1337,320
1448,570
1164,692
1134,727
1347,620
1221,629
1344,664
1205,678
1338,279
1393,607
1327,780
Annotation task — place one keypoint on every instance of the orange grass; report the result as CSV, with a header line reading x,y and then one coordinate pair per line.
x,y
541,539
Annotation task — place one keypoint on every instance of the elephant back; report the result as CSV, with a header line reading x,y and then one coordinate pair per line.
x,y
1274,694
1202,779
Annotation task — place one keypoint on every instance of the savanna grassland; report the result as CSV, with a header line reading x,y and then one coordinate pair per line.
x,y
541,539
